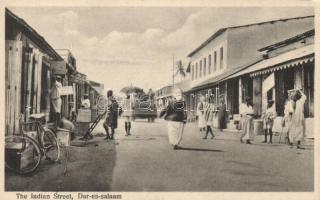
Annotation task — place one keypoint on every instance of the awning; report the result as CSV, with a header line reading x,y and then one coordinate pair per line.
x,y
78,78
99,90
282,61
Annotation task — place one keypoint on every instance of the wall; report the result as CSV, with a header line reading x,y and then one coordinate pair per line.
x,y
243,43
210,48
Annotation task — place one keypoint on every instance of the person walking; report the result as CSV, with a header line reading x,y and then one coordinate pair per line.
x,y
85,104
128,113
286,121
268,117
200,112
247,121
297,127
112,116
222,115
56,99
209,113
176,116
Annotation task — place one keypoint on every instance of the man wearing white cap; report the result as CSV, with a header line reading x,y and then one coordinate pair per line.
x,y
176,116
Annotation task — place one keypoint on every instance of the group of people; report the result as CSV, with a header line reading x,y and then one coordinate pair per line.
x,y
176,115
206,113
293,120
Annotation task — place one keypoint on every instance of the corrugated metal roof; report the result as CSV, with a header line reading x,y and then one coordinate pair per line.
x,y
290,58
288,41
220,31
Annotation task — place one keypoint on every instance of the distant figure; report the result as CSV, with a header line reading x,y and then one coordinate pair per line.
x,y
56,99
151,95
209,113
85,103
222,114
176,116
268,117
246,112
128,106
201,115
72,113
112,116
296,131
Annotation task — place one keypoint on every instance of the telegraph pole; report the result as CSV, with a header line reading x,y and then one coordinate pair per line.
x,y
173,71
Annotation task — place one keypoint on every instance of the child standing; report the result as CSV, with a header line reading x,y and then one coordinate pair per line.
x,y
268,118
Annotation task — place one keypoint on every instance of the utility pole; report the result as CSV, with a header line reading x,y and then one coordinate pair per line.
x,y
173,71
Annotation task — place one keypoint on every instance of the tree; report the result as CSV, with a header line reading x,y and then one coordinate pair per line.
x,y
180,69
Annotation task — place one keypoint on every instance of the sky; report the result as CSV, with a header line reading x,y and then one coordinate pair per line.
x,y
120,46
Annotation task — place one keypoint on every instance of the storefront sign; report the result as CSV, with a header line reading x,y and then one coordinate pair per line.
x,y
59,67
66,90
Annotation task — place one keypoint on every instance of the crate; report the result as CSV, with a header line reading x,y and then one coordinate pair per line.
x,y
84,115
63,137
14,155
94,114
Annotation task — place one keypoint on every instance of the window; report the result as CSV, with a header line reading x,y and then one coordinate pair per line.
x,y
204,66
215,61
221,57
196,70
209,60
200,74
192,71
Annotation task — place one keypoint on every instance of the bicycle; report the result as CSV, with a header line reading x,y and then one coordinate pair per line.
x,y
43,144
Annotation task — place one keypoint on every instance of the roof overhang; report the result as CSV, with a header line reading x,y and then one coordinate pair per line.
x,y
289,59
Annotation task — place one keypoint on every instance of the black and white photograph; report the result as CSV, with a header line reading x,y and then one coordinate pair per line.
x,y
101,100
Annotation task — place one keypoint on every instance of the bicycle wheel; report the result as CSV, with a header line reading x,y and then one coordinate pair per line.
x,y
50,145
23,154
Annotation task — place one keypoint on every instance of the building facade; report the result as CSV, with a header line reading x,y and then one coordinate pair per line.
x,y
231,50
287,65
28,72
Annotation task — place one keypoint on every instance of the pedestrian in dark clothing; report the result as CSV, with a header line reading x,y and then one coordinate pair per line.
x,y
222,114
112,116
176,116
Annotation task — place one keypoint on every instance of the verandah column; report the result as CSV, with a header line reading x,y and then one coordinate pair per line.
x,y
257,95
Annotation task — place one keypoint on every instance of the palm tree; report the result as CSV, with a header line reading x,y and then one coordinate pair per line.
x,y
180,69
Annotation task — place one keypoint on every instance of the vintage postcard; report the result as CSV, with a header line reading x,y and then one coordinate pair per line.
x,y
150,100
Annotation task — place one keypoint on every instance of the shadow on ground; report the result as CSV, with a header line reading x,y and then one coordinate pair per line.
x,y
79,164
199,149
